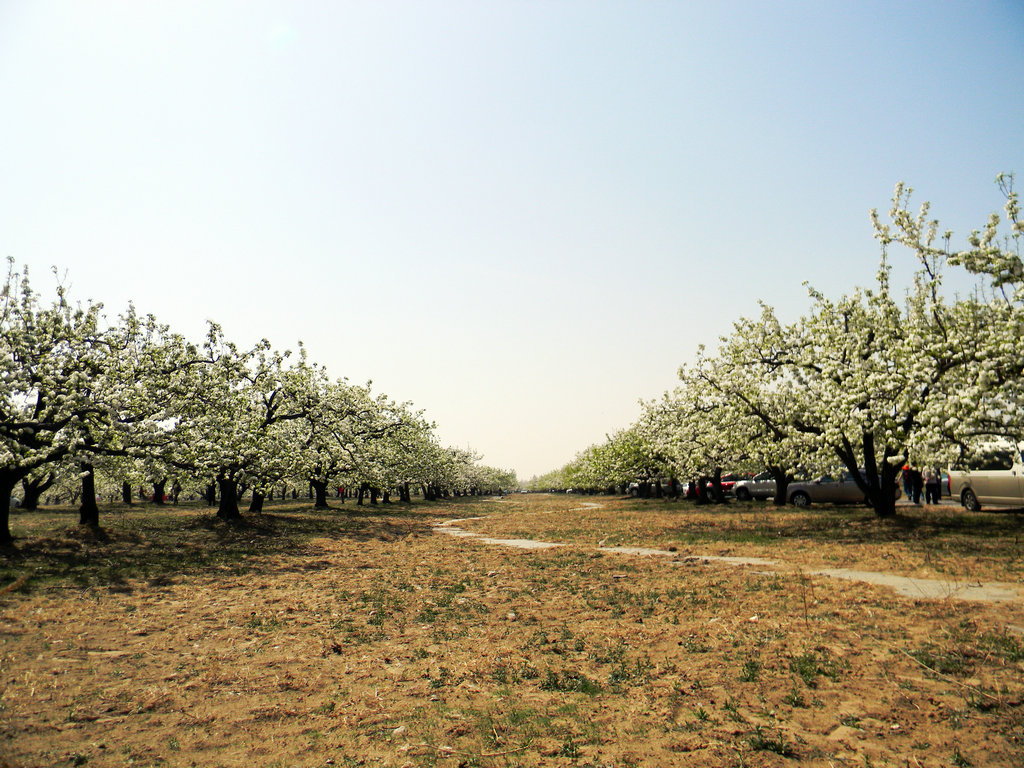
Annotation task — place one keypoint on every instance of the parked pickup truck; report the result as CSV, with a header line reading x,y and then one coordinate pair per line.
x,y
993,477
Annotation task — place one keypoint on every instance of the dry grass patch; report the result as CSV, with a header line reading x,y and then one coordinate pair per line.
x,y
362,638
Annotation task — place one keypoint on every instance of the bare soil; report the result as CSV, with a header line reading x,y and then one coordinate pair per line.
x,y
364,637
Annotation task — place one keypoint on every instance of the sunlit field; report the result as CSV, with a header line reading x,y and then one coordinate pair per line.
x,y
363,636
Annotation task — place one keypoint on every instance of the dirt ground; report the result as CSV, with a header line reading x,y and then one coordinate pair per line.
x,y
364,637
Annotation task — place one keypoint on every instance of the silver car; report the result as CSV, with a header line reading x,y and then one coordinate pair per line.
x,y
760,486
828,490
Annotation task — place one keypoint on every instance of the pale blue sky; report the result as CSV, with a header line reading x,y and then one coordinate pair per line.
x,y
522,216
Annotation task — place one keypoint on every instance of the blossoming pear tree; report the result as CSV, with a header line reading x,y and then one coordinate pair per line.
x,y
46,354
978,344
233,416
749,404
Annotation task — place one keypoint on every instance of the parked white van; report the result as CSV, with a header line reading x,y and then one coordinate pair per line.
x,y
994,475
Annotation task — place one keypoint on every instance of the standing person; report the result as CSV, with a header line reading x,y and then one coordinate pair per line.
x,y
916,484
908,489
932,479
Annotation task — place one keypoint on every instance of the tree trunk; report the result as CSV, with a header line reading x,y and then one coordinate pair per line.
x,y
126,493
320,489
88,512
211,494
256,504
374,493
33,489
228,509
879,488
359,497
781,485
886,505
717,492
7,482
160,491
702,491
883,500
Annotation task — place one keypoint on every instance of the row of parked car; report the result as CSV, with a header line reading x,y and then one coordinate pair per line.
x,y
993,476
822,490
825,489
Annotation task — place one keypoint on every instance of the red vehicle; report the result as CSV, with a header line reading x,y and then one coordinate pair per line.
x,y
728,481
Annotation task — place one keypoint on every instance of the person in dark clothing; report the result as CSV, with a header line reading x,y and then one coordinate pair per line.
x,y
932,489
916,485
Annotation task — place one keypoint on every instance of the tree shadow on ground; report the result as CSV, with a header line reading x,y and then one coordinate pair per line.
x,y
163,545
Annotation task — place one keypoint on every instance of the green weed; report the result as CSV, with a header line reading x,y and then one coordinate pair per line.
x,y
731,708
809,667
1005,646
762,742
959,760
693,645
795,698
263,624
442,679
637,672
751,671
569,749
944,662
569,681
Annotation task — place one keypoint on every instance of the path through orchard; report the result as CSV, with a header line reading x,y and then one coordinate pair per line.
x,y
990,592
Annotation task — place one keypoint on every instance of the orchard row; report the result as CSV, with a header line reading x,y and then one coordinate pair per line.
x,y
109,406
862,384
